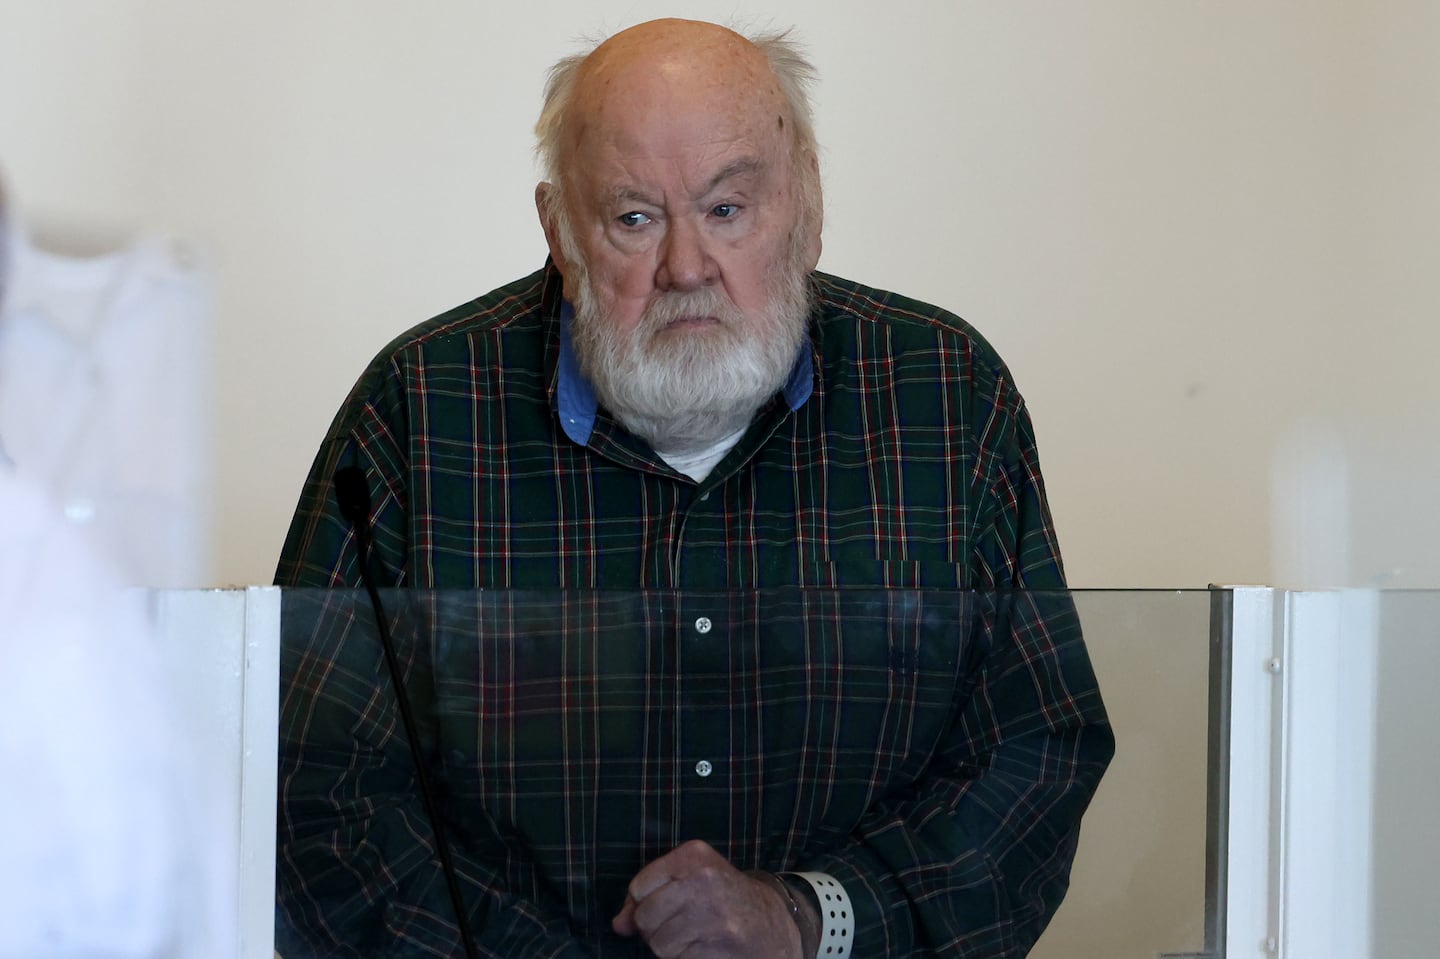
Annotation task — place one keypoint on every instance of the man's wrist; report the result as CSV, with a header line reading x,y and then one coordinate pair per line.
x,y
798,902
807,913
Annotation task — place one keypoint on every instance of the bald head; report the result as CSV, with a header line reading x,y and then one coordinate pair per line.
x,y
670,73
698,65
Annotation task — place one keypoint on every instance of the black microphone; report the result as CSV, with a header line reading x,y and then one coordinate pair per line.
x,y
352,495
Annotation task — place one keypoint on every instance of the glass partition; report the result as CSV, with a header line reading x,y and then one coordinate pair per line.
x,y
571,738
1271,782
1405,835
1143,883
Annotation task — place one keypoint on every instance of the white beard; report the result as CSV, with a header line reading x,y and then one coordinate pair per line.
x,y
685,390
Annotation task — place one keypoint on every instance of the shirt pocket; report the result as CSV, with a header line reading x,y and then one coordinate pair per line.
x,y
884,574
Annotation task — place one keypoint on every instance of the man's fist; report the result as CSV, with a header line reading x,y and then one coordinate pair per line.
x,y
692,903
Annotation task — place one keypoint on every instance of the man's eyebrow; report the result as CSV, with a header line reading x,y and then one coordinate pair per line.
x,y
745,166
626,195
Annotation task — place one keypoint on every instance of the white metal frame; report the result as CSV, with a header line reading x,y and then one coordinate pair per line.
x,y
1302,745
259,763
223,654
1251,841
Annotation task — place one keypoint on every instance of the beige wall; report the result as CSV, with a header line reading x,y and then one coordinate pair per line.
x,y
1203,233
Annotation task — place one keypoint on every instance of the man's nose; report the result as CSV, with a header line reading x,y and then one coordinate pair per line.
x,y
685,261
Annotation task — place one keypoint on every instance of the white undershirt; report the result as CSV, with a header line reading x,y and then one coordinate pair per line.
x,y
698,465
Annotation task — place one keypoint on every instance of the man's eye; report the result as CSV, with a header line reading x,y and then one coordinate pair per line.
x,y
724,210
633,218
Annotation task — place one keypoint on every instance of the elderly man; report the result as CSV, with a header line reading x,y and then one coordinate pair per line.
x,y
678,401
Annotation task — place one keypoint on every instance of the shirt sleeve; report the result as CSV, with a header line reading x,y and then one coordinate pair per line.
x,y
975,859
369,433
357,872
1015,545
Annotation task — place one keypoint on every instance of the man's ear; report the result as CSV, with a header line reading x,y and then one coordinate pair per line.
x,y
544,199
813,247
817,217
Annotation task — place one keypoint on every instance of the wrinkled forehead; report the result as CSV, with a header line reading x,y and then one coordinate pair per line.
x,y
647,89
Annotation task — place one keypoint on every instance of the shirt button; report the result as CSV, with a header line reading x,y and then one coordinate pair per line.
x,y
703,768
702,625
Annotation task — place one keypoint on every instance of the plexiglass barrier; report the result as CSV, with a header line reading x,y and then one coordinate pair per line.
x,y
576,737
1404,834
1270,794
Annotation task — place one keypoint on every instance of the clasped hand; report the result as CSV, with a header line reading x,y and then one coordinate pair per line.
x,y
691,903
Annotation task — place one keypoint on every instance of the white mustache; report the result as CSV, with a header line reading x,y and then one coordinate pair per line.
x,y
704,303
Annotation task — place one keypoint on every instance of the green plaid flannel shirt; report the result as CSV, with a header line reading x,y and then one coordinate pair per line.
x,y
900,457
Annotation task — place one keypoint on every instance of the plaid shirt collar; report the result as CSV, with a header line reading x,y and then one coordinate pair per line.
x,y
577,404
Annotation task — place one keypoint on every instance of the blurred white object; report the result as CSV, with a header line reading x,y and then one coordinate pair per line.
x,y
97,859
105,397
